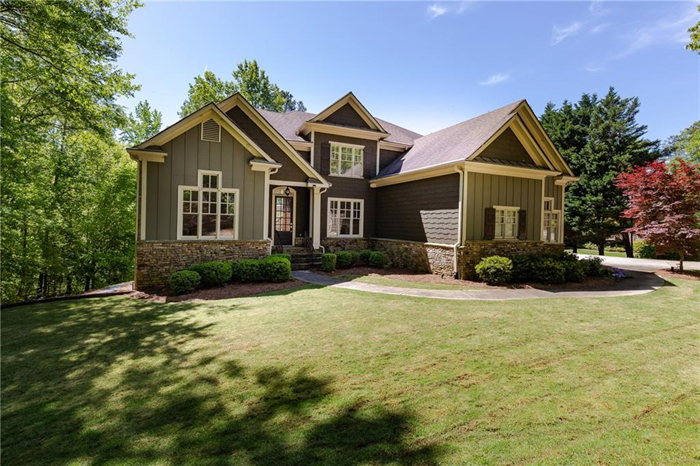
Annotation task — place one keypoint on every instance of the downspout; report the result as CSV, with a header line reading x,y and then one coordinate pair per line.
x,y
460,170
323,249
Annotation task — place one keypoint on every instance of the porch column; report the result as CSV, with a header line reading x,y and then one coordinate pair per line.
x,y
316,235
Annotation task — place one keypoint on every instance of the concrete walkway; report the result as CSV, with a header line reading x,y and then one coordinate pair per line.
x,y
640,283
643,265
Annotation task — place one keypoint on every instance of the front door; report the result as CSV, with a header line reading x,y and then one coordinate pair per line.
x,y
284,220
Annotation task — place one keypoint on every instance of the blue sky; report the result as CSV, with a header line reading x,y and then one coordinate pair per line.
x,y
426,66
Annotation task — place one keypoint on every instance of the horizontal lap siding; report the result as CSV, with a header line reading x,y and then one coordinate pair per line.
x,y
489,190
424,210
346,116
386,157
187,154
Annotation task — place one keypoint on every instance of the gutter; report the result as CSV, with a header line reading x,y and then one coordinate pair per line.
x,y
459,169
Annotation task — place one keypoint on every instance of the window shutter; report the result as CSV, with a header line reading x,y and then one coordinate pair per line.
x,y
522,224
489,223
211,131
325,158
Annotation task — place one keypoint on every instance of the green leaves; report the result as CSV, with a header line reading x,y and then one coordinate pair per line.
x,y
142,124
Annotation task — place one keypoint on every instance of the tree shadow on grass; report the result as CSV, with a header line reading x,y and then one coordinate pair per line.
x,y
118,382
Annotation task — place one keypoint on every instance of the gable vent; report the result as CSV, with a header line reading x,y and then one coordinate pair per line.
x,y
211,131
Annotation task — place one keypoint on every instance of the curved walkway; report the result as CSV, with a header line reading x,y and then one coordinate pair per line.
x,y
640,283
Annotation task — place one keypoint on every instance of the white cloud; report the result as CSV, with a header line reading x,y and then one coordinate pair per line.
x,y
594,68
560,34
597,29
436,10
596,7
495,79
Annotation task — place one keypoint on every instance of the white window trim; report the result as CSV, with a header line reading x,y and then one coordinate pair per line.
x,y
293,195
559,220
362,217
236,216
351,146
517,222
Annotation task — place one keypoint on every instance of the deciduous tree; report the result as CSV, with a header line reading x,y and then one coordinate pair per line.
x,y
142,124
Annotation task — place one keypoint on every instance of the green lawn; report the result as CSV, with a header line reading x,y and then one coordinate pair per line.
x,y
594,252
331,376
378,280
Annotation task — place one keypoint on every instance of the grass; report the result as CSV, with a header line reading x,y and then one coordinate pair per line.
x,y
330,376
594,252
385,281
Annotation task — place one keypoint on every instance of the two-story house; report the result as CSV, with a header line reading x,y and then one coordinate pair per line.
x,y
230,181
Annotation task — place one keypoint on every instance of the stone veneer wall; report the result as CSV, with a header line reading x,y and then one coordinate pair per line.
x,y
345,244
156,260
473,251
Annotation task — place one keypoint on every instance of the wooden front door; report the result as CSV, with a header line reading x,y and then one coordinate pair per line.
x,y
284,220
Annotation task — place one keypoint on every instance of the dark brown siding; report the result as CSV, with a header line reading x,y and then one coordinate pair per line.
x,y
305,154
424,210
353,188
347,116
290,171
507,147
386,157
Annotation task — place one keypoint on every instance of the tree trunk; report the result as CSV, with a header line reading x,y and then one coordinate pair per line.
x,y
601,248
574,247
680,266
87,283
627,240
69,285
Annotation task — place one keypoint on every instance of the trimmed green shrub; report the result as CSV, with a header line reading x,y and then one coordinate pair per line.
x,y
573,271
213,273
235,271
593,267
523,268
249,271
344,259
275,269
355,258
643,250
549,271
328,261
364,256
184,281
283,255
495,270
377,259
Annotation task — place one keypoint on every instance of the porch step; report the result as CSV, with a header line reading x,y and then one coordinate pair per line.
x,y
305,260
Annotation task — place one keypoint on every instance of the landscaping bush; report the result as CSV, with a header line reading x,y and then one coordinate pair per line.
x,y
643,250
249,271
377,259
364,256
328,261
573,270
275,269
495,270
283,255
213,273
355,258
549,271
523,268
593,267
344,259
184,281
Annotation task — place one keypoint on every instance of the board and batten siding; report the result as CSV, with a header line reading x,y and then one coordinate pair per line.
x,y
485,190
423,210
552,190
187,154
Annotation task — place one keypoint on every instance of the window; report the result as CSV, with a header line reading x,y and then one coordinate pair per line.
x,y
345,217
207,211
346,160
551,221
506,222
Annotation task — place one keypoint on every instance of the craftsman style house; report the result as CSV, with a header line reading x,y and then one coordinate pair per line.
x,y
230,181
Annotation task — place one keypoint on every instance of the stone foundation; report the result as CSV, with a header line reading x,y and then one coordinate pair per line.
x,y
472,252
156,260
418,257
345,244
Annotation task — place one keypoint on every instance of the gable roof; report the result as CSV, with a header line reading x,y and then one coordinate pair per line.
x,y
465,140
354,102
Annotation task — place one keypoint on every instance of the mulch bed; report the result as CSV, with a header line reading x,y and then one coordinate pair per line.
x,y
237,290
693,275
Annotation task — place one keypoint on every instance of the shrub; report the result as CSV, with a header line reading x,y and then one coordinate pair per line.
x,y
643,250
249,271
344,259
495,270
275,269
283,255
549,271
213,273
328,261
377,259
184,281
364,256
355,257
523,268
573,270
593,267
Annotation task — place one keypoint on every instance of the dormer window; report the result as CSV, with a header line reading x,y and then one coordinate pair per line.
x,y
346,160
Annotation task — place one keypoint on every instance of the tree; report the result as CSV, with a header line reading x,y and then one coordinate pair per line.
x,y
686,144
250,80
664,201
694,31
599,138
142,124
206,88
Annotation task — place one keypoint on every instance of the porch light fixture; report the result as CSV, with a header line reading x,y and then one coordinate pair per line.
x,y
287,192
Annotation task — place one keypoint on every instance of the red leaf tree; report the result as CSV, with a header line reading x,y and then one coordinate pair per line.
x,y
664,202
